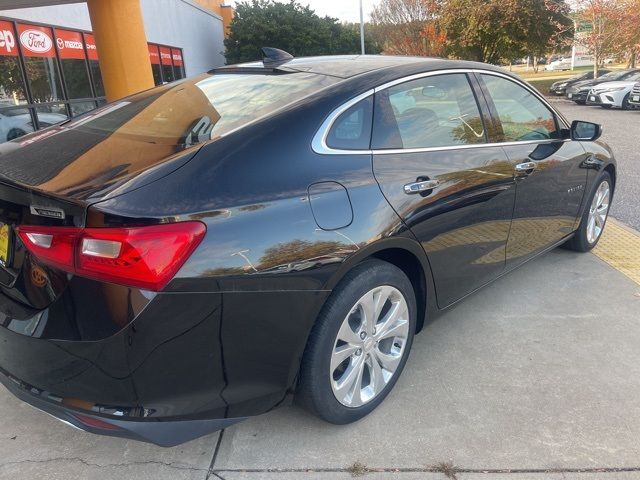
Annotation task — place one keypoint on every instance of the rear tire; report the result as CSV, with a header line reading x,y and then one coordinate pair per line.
x,y
351,363
594,217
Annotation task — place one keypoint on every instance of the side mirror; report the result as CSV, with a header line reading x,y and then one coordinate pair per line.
x,y
585,131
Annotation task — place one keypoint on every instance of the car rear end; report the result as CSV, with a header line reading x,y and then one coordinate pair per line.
x,y
578,93
104,319
84,309
634,97
559,88
91,329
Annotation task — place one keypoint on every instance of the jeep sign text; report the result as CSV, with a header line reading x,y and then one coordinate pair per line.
x,y
7,40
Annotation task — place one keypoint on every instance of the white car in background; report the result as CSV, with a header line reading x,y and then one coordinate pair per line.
x,y
565,63
613,94
17,122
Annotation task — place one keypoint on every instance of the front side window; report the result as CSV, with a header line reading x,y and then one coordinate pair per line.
x,y
431,112
522,115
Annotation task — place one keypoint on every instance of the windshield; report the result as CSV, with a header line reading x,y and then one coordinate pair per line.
x,y
201,108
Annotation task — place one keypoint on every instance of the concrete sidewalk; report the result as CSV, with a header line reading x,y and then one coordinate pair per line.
x,y
538,373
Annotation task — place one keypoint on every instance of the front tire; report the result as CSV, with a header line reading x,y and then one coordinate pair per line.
x,y
594,217
625,102
359,344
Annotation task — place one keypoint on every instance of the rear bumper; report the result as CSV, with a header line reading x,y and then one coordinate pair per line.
x,y
165,433
184,367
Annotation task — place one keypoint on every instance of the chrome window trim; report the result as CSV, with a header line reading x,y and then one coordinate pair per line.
x,y
319,142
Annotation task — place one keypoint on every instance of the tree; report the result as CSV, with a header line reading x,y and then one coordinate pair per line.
x,y
603,36
491,30
408,27
290,27
546,27
630,30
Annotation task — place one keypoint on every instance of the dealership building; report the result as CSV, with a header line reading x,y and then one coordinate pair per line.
x,y
60,59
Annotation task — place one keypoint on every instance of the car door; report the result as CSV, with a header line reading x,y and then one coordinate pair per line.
x,y
548,166
434,165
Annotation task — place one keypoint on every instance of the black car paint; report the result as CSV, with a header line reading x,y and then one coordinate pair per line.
x,y
225,338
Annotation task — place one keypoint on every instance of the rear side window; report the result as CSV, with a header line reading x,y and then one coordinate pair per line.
x,y
352,129
435,111
522,115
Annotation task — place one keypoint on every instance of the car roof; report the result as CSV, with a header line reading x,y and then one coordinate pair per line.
x,y
347,66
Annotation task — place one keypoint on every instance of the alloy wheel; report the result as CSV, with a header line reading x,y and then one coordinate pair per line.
x,y
598,212
369,346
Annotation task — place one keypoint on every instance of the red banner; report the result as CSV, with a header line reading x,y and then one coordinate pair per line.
x,y
90,42
36,41
165,56
70,45
154,55
8,44
176,54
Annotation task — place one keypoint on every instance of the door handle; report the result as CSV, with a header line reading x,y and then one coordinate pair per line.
x,y
420,186
525,167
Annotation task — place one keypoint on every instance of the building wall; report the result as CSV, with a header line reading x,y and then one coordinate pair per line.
x,y
74,15
184,24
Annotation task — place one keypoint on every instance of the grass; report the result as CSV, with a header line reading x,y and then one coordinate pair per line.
x,y
542,85
448,469
358,469
542,73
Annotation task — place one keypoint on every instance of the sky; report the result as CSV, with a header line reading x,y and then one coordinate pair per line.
x,y
345,10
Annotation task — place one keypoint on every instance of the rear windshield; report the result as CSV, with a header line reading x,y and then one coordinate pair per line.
x,y
201,108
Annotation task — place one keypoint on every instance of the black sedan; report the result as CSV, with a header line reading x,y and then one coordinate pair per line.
x,y
560,87
207,250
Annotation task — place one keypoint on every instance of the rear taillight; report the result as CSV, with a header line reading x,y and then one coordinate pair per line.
x,y
146,257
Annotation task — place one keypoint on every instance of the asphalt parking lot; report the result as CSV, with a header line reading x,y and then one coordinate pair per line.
x,y
622,132
535,377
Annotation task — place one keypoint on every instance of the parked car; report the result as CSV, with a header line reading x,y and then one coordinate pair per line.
x,y
201,252
578,91
15,123
560,87
559,65
634,99
567,64
613,94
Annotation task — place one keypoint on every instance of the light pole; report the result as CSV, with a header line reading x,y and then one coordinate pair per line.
x,y
361,29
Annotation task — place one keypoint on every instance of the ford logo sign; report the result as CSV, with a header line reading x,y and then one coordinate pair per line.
x,y
36,41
